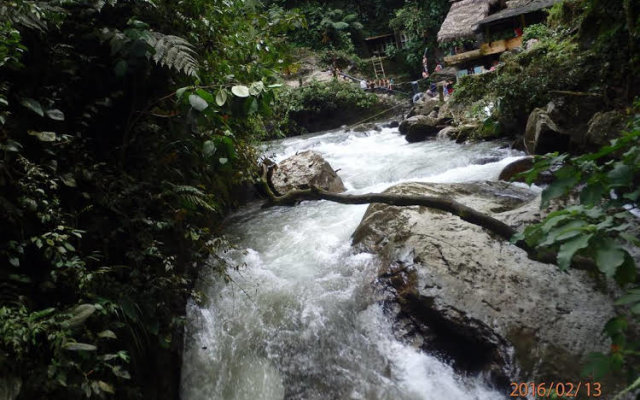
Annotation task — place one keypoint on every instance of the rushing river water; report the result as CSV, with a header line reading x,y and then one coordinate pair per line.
x,y
300,319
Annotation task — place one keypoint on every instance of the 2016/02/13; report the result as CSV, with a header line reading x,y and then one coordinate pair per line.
x,y
567,389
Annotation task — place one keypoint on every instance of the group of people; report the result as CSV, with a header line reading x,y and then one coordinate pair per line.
x,y
377,83
447,89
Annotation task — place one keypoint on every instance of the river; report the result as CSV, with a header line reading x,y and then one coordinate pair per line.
x,y
300,318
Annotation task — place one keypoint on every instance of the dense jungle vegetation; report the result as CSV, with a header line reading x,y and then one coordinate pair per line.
x,y
127,131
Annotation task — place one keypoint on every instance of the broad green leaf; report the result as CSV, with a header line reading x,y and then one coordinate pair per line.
x,y
120,69
633,196
68,180
632,296
608,256
240,91
105,387
517,237
14,261
208,148
621,174
606,223
592,212
120,373
55,114
107,334
11,146
553,221
129,308
42,313
80,314
253,106
43,136
559,187
569,248
33,105
630,238
592,194
79,347
180,92
627,272
615,325
208,97
221,97
256,88
197,102
597,366
564,232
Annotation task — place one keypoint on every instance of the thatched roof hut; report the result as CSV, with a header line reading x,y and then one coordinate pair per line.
x,y
518,7
463,17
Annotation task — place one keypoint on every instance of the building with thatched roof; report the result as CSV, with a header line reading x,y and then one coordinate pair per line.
x,y
520,9
463,18
495,25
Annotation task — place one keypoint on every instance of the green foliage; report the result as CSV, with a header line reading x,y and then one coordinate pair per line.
x,y
125,127
600,228
342,59
587,46
536,31
320,97
327,27
421,22
322,105
526,80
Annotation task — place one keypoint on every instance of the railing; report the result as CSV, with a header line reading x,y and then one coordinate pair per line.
x,y
495,47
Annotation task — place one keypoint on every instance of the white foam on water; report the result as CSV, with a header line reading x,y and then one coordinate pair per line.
x,y
300,321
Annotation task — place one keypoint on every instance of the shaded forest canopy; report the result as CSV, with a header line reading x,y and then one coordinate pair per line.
x,y
128,130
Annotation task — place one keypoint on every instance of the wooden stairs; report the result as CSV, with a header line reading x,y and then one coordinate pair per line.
x,y
378,68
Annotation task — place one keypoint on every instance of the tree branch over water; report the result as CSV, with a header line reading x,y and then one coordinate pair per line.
x,y
439,203
465,213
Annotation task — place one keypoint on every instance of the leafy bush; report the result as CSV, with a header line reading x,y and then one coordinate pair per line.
x,y
323,105
525,81
575,54
125,127
420,21
601,228
536,31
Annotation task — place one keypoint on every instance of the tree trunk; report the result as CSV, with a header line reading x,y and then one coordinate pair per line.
x,y
439,203
465,213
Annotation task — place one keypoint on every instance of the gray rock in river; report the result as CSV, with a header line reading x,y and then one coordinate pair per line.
x,y
478,300
303,170
604,127
420,127
542,135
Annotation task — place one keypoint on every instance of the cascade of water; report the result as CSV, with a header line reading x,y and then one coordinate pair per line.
x,y
300,321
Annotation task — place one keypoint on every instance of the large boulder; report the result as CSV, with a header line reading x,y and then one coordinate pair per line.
x,y
476,299
604,127
420,127
425,107
367,127
514,168
303,170
542,135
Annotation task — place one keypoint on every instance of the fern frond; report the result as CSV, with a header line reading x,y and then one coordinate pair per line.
x,y
30,14
193,197
173,52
